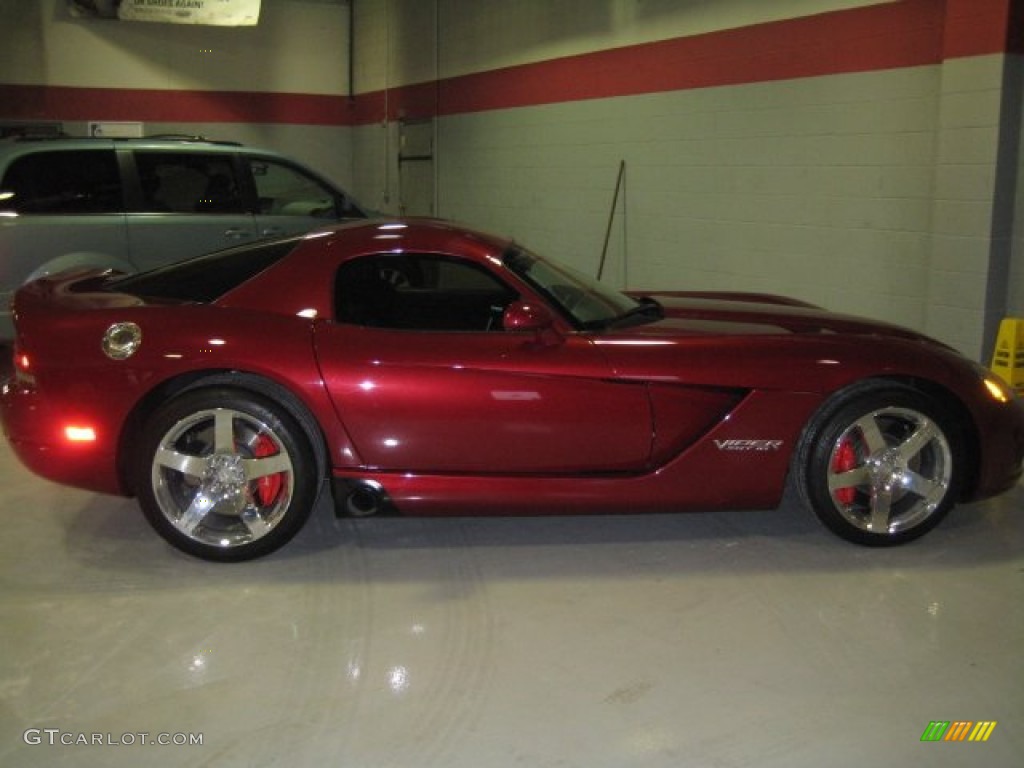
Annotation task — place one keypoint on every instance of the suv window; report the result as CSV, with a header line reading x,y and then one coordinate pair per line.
x,y
63,182
421,292
179,182
285,191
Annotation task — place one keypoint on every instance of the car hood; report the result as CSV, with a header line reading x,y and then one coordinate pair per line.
x,y
732,314
753,341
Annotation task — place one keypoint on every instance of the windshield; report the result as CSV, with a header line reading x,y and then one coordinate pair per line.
x,y
585,302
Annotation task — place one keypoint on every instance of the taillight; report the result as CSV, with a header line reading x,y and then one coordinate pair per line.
x,y
77,433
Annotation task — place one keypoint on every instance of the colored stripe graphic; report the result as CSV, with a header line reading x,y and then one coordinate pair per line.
x,y
959,730
935,731
983,730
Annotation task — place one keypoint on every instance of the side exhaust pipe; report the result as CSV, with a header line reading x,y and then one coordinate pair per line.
x,y
362,498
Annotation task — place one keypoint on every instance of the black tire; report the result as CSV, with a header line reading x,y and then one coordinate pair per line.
x,y
225,475
880,464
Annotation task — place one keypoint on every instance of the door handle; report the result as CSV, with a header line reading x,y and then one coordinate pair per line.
x,y
236,233
271,232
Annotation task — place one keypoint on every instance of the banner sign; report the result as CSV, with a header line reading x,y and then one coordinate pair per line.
x,y
224,13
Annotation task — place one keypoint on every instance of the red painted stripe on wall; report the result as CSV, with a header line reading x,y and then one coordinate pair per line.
x,y
29,102
978,27
877,37
888,36
892,35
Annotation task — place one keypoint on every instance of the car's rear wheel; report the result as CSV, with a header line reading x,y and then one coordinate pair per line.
x,y
225,475
880,465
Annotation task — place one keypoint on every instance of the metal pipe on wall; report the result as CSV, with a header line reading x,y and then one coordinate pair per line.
x,y
351,50
611,217
437,106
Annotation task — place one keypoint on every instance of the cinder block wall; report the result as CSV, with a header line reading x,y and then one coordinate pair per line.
x,y
282,84
862,155
1014,95
853,154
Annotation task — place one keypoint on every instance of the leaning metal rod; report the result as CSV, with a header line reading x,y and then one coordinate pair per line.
x,y
611,218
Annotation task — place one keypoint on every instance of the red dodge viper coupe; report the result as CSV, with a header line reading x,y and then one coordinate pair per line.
x,y
429,369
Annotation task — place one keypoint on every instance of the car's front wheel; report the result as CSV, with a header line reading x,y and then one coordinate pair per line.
x,y
880,465
225,475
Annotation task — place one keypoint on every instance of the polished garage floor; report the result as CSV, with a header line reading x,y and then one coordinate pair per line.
x,y
735,639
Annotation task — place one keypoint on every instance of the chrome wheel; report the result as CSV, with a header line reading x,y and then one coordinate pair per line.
x,y
890,470
222,478
880,464
225,475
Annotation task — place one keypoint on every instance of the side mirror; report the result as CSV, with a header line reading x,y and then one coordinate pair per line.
x,y
527,317
523,316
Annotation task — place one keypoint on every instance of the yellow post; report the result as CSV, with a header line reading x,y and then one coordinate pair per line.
x,y
1008,358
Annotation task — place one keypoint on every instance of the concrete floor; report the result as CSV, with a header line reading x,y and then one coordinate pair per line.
x,y
718,639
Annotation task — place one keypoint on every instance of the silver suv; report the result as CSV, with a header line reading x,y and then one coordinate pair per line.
x,y
132,204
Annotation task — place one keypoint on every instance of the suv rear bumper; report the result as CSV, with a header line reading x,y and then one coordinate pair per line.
x,y
6,319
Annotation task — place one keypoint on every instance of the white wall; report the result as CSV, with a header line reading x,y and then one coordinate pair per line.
x,y
1015,286
299,47
969,259
871,192
819,189
480,35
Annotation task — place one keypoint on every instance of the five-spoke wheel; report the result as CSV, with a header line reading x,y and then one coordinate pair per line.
x,y
225,475
880,465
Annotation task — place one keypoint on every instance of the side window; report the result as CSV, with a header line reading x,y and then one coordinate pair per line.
x,y
286,191
180,182
63,182
420,292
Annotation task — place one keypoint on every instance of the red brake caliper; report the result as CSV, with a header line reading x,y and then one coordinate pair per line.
x,y
845,459
268,487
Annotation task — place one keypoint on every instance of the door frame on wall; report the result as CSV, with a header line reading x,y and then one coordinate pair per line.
x,y
417,181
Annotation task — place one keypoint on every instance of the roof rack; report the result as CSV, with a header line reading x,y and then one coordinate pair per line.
x,y
185,138
35,137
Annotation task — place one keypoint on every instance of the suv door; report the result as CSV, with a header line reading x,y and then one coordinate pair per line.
x,y
186,203
290,200
59,209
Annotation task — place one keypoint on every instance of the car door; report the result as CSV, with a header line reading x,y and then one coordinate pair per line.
x,y
291,200
425,379
187,203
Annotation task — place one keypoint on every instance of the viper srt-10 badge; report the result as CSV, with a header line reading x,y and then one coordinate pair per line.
x,y
748,445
